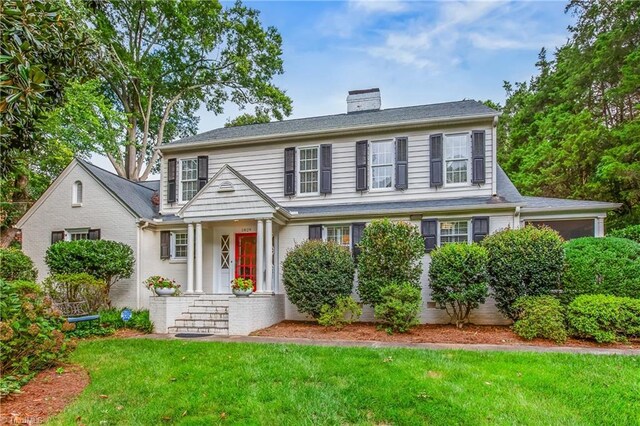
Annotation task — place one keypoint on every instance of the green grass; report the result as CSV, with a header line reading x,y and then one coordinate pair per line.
x,y
195,383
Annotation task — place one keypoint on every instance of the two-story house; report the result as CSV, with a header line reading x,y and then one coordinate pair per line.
x,y
232,201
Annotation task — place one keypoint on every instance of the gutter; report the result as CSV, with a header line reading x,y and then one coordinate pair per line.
x,y
326,132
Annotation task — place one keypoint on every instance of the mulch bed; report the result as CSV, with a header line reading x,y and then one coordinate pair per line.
x,y
44,396
426,333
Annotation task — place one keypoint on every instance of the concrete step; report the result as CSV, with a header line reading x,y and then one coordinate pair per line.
x,y
199,330
202,323
204,316
207,309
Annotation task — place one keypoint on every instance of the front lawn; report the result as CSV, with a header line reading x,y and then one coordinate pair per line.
x,y
140,381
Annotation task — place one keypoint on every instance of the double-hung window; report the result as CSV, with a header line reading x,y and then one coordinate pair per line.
x,y
339,234
454,232
188,179
382,162
456,157
178,245
308,158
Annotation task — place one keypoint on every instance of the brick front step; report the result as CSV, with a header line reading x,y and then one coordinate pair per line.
x,y
208,309
202,323
204,316
200,330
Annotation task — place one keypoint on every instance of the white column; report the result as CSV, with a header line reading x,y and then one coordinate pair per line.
x,y
269,256
198,257
260,256
190,258
599,227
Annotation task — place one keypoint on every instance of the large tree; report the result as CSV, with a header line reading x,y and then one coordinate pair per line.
x,y
167,58
574,129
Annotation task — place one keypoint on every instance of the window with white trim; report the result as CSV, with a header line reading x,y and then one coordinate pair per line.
x,y
77,193
382,163
339,234
77,234
178,245
456,157
454,232
308,161
188,179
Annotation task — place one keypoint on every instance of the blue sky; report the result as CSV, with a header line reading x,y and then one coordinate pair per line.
x,y
416,52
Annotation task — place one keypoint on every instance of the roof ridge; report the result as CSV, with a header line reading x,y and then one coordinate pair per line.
x,y
85,162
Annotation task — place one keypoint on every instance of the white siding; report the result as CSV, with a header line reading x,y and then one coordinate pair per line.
x,y
263,165
99,210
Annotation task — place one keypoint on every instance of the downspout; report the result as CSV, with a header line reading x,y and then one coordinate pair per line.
x,y
141,226
494,159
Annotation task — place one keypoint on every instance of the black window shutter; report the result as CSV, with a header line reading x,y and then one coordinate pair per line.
x,y
429,230
402,163
478,157
362,158
165,244
325,169
94,234
171,180
480,227
57,236
289,171
203,171
315,232
356,236
435,160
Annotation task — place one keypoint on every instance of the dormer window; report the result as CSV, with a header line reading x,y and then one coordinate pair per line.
x,y
76,200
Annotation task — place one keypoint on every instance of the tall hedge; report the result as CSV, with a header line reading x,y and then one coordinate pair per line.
x,y
390,252
601,266
631,232
458,279
15,265
107,260
523,262
317,273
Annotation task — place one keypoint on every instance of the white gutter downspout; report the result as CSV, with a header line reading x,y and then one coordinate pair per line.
x,y
494,159
141,226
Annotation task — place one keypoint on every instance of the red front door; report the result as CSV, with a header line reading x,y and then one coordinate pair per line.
x,y
246,257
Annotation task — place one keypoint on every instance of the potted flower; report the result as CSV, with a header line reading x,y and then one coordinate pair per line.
x,y
162,286
242,287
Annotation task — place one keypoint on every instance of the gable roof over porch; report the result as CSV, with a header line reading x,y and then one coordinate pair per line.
x,y
230,195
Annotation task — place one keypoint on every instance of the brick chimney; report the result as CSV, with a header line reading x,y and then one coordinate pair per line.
x,y
363,100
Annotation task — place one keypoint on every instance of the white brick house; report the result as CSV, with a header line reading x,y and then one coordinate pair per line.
x,y
232,201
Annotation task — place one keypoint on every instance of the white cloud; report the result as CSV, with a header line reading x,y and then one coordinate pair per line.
x,y
497,42
379,6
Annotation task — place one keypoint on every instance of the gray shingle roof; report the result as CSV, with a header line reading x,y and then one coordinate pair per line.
x,y
552,204
465,108
136,196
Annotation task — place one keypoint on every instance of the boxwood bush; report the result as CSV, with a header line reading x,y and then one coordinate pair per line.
x,y
399,307
523,262
317,273
31,334
540,316
601,266
631,232
604,318
15,265
458,279
390,252
345,312
107,260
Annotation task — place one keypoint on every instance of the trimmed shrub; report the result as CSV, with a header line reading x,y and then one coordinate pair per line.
x,y
107,260
390,252
631,232
316,273
345,312
31,335
73,288
601,266
398,311
15,265
523,262
458,279
540,316
604,318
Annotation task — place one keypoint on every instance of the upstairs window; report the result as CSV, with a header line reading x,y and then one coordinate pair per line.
x,y
339,234
382,161
308,158
77,193
77,234
454,232
456,156
188,179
